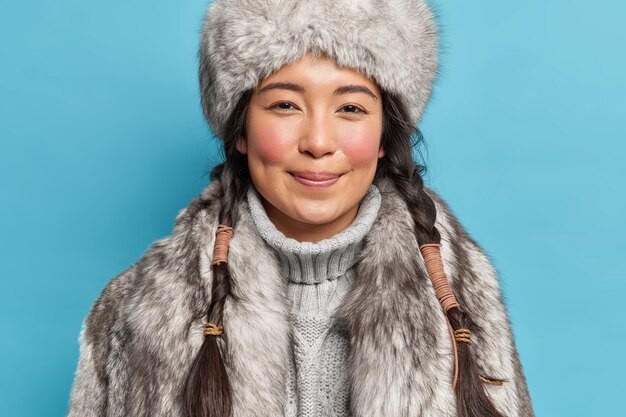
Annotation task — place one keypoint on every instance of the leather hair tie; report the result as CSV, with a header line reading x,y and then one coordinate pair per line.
x,y
434,264
220,250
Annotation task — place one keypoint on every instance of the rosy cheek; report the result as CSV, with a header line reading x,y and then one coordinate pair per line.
x,y
270,144
361,148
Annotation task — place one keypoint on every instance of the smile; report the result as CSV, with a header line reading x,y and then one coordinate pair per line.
x,y
312,179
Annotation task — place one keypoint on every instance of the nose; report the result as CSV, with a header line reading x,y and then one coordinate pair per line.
x,y
317,137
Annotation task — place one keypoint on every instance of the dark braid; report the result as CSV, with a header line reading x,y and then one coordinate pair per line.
x,y
406,174
207,391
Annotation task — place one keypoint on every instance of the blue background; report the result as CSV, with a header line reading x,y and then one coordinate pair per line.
x,y
103,142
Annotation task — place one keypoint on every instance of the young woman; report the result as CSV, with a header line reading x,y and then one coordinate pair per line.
x,y
316,275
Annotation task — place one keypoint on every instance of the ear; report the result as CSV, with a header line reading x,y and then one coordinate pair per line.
x,y
381,153
242,145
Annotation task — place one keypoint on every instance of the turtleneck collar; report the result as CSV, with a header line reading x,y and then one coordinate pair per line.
x,y
311,263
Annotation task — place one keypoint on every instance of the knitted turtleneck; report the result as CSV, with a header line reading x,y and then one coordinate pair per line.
x,y
319,275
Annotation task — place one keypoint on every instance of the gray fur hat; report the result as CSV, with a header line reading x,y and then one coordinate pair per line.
x,y
394,42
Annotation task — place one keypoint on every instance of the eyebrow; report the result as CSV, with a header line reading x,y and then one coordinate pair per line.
x,y
345,89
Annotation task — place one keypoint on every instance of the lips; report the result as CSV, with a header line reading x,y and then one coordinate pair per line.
x,y
316,179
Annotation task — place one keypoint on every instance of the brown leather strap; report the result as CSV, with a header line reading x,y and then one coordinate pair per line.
x,y
220,250
434,264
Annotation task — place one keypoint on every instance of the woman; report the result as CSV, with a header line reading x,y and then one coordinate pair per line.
x,y
316,275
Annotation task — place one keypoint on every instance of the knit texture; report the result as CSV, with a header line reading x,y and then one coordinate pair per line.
x,y
319,276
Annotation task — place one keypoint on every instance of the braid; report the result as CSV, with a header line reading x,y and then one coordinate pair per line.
x,y
207,391
406,175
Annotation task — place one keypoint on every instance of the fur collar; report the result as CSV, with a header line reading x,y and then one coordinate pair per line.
x,y
144,330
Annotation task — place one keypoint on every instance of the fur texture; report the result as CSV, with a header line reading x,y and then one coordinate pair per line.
x,y
142,333
392,41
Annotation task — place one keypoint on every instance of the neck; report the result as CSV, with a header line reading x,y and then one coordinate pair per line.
x,y
307,232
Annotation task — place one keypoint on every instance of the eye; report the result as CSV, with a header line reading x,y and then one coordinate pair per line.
x,y
283,105
353,109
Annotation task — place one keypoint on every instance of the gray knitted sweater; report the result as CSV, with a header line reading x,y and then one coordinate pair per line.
x,y
319,274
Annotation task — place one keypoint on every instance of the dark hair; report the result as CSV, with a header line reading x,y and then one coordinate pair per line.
x,y
207,392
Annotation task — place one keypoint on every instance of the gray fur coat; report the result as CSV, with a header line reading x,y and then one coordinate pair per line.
x,y
141,335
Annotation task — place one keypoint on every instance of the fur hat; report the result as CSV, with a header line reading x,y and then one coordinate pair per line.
x,y
243,41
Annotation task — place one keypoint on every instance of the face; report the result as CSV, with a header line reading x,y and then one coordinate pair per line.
x,y
313,133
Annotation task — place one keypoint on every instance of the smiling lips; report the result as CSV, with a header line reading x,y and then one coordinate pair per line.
x,y
316,179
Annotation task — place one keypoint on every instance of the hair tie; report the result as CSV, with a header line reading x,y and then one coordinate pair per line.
x,y
434,265
462,335
213,329
220,251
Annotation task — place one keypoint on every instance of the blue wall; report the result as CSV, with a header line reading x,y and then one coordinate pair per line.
x,y
103,141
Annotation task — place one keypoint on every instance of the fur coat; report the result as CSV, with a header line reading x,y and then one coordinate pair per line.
x,y
140,336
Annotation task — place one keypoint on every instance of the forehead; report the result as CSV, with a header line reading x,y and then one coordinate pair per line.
x,y
319,72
